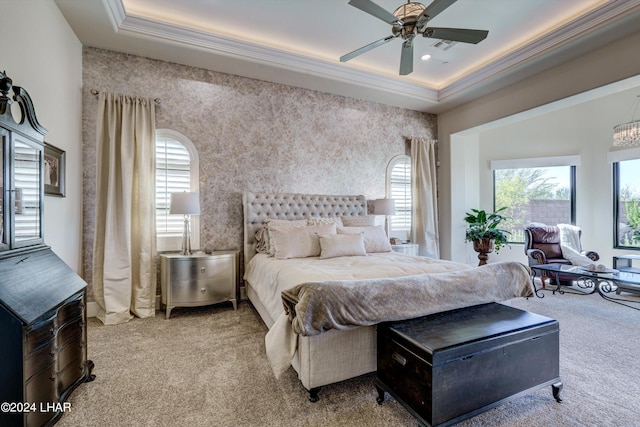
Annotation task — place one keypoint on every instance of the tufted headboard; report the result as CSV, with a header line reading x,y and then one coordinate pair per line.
x,y
259,206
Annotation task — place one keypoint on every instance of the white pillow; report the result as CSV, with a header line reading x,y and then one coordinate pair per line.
x,y
279,224
298,242
358,221
321,220
375,238
335,245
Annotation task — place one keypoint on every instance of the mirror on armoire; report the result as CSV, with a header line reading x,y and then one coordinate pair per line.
x,y
21,166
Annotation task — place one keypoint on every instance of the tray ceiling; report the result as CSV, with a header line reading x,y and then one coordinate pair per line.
x,y
299,42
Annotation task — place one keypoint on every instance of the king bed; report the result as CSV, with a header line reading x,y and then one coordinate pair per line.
x,y
326,276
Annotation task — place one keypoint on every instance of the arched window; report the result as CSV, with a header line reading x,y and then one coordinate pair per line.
x,y
176,170
399,189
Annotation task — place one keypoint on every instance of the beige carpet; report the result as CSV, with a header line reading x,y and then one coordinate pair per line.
x,y
207,367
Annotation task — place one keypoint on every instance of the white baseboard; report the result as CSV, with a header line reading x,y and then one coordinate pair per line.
x,y
92,307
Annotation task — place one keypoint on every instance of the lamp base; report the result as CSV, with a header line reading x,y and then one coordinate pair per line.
x,y
186,237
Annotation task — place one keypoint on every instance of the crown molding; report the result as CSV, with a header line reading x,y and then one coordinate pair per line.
x,y
143,26
422,94
116,12
581,26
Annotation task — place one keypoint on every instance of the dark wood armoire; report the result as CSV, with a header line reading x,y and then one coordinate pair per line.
x,y
43,336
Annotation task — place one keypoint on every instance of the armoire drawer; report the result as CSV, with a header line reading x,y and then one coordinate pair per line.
x,y
42,385
69,352
41,332
69,332
35,361
69,375
71,310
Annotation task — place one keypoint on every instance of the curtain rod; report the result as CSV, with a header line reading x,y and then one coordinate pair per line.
x,y
95,92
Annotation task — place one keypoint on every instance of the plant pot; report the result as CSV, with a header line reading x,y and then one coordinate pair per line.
x,y
483,247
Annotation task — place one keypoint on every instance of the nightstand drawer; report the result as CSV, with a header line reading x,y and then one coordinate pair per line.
x,y
191,269
202,291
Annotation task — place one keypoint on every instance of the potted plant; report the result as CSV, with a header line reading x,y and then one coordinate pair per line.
x,y
483,231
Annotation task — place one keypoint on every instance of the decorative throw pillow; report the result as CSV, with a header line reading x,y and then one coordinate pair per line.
x,y
280,224
298,242
375,238
358,221
318,220
335,245
262,240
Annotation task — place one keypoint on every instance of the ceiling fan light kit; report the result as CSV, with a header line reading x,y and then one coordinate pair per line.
x,y
408,21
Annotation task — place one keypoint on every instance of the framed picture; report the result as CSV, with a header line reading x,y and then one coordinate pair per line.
x,y
54,170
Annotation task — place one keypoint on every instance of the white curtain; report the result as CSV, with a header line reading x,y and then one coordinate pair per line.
x,y
124,273
424,228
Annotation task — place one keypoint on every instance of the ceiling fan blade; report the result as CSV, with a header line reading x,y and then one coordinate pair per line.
x,y
363,49
437,7
406,59
456,34
373,9
431,12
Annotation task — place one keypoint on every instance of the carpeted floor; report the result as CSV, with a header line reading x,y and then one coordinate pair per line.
x,y
207,367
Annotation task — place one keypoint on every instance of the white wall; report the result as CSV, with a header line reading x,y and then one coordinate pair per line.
x,y
584,130
40,52
531,119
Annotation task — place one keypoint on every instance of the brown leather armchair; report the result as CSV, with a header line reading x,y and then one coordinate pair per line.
x,y
542,246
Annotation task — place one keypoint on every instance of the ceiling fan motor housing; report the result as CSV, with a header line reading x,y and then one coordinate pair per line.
x,y
409,11
408,15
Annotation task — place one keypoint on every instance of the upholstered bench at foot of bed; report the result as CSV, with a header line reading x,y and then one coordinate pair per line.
x,y
334,356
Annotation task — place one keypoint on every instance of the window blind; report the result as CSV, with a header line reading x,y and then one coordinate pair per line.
x,y
401,192
173,174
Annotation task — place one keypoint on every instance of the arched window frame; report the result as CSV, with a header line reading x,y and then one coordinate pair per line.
x,y
173,241
403,207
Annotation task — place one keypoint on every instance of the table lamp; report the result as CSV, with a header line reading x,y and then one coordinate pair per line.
x,y
186,204
384,207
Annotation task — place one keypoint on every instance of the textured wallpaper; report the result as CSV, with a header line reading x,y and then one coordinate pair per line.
x,y
250,135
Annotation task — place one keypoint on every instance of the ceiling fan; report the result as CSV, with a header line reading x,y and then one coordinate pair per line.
x,y
407,22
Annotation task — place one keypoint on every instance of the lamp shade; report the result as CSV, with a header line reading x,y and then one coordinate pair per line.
x,y
384,207
185,203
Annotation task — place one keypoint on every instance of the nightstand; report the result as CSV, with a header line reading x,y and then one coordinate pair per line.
x,y
406,248
198,279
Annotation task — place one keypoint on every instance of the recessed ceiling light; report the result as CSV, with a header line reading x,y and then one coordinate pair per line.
x,y
425,57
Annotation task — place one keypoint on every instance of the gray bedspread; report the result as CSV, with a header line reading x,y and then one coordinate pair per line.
x,y
320,306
